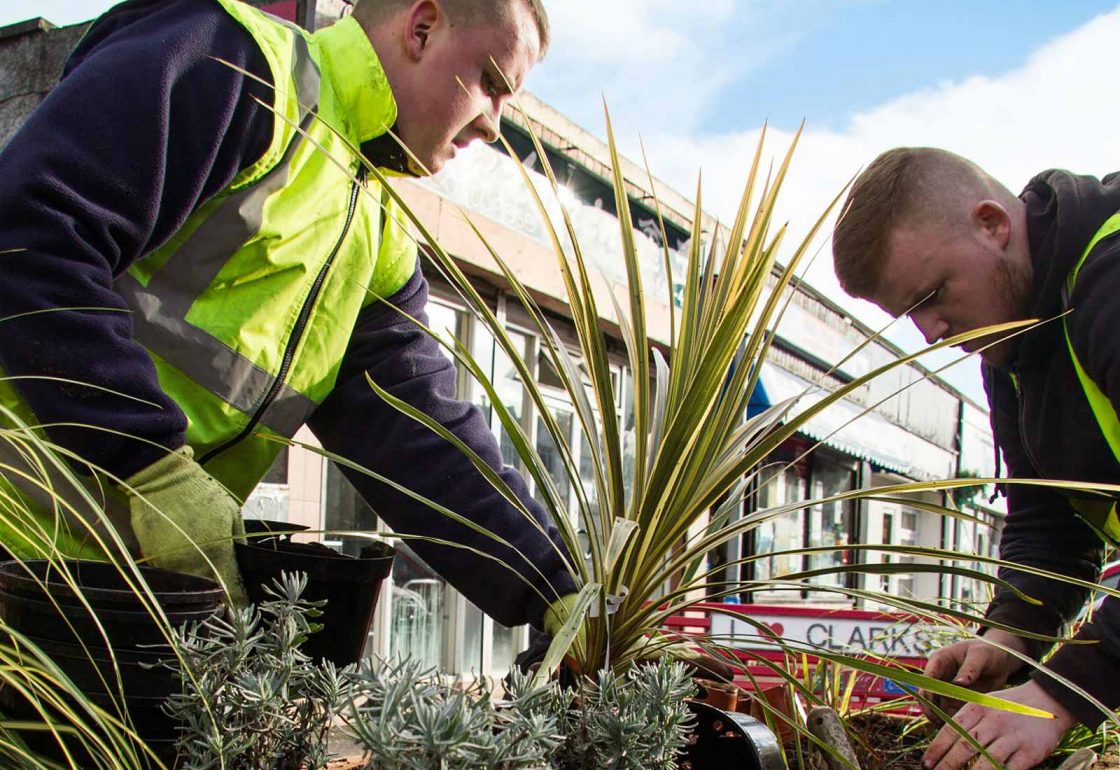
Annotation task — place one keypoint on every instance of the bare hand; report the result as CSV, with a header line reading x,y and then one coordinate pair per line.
x,y
973,663
1015,741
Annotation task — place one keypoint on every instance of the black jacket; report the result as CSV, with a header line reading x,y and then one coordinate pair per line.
x,y
1047,430
144,128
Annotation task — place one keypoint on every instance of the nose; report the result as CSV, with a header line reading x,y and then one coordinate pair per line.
x,y
489,121
931,327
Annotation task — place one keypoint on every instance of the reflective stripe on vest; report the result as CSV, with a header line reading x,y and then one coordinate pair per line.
x,y
160,308
1101,514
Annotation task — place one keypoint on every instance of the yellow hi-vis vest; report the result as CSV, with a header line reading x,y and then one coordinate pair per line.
x,y
248,309
1101,514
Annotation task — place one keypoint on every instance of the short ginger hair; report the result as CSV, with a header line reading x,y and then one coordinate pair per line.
x,y
906,186
463,12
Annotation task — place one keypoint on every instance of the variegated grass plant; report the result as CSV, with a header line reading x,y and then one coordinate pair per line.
x,y
86,733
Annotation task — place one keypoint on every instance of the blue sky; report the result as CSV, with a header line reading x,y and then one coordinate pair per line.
x,y
1016,86
849,56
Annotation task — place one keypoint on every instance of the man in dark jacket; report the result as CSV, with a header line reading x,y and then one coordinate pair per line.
x,y
186,278
930,235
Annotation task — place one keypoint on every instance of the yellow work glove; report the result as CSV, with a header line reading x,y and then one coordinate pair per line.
x,y
185,521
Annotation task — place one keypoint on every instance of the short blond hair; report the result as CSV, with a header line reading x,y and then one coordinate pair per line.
x,y
906,186
464,12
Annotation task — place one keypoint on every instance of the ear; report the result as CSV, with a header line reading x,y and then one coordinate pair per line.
x,y
420,20
993,221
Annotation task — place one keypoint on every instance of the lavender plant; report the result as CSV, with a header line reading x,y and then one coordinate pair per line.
x,y
250,698
413,719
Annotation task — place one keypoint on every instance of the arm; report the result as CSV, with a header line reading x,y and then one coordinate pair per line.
x,y
408,363
1092,328
143,128
1041,531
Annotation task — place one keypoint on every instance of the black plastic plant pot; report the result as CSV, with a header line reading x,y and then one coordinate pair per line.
x,y
349,584
103,638
104,588
726,740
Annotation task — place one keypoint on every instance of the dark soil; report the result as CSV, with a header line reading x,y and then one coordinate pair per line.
x,y
889,742
885,742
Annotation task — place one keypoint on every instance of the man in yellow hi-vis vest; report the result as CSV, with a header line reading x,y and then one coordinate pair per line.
x,y
194,260
930,235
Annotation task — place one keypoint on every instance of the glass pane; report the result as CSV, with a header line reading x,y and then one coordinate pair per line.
x,y
551,457
587,474
417,592
501,652
628,434
417,622
444,323
346,511
830,522
546,372
507,383
472,639
779,535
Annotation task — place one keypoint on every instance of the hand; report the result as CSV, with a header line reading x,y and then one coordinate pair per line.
x,y
974,663
185,521
1016,741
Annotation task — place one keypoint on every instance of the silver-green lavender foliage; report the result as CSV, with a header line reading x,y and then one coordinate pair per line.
x,y
415,720
250,698
637,720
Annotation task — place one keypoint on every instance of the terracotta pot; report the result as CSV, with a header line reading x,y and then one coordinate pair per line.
x,y
777,700
719,694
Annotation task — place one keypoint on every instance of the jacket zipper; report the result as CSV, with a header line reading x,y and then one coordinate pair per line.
x,y
298,330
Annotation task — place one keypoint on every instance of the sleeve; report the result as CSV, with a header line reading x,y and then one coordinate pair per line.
x,y
1041,531
144,126
513,584
1093,661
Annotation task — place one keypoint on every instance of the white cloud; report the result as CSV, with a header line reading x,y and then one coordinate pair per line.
x,y
659,63
1057,110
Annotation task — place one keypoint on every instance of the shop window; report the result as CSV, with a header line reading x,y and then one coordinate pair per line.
x,y
831,523
777,536
778,541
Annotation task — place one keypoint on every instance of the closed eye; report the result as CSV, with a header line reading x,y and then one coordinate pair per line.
x,y
927,301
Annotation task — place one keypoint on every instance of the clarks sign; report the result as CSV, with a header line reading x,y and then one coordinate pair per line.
x,y
853,632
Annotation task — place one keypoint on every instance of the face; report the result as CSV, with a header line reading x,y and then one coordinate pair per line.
x,y
454,91
950,280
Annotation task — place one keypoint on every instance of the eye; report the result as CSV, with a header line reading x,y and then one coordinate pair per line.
x,y
490,86
928,300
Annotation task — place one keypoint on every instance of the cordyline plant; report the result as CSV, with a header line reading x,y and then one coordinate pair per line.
x,y
694,450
